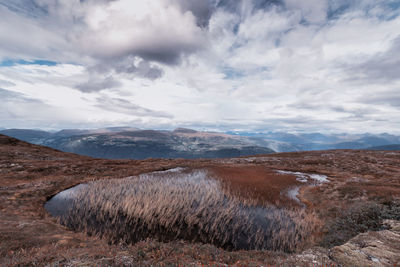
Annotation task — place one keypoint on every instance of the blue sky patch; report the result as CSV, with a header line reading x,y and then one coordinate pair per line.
x,y
394,5
11,62
231,73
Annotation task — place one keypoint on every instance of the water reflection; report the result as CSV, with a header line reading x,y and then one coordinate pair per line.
x,y
60,203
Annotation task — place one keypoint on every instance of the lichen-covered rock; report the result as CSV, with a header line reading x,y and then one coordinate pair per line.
x,y
316,256
380,248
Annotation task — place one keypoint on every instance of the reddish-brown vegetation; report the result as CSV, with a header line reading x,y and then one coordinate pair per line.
x,y
257,183
187,205
30,174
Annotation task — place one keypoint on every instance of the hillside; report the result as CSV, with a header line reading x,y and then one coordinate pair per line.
x,y
363,191
394,147
134,143
130,143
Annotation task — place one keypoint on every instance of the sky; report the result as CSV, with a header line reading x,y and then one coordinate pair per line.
x,y
239,65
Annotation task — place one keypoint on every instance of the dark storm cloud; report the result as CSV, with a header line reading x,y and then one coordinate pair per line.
x,y
69,25
163,39
167,54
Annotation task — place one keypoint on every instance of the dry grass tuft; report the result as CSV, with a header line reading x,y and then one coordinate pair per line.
x,y
185,205
359,217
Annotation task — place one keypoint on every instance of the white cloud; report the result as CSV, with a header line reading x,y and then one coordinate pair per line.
x,y
313,11
310,65
83,31
141,28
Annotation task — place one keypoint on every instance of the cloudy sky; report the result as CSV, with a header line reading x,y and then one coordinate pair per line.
x,y
255,65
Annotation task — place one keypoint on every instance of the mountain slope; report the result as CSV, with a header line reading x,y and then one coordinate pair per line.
x,y
394,147
31,174
28,135
155,144
112,143
188,143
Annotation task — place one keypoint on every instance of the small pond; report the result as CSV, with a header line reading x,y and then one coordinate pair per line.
x,y
178,204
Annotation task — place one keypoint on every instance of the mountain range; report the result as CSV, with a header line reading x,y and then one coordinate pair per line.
x,y
288,142
135,143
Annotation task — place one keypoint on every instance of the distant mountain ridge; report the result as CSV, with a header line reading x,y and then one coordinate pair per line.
x,y
393,147
132,143
287,142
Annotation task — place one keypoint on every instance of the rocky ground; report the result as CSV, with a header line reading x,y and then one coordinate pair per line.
x,y
359,208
